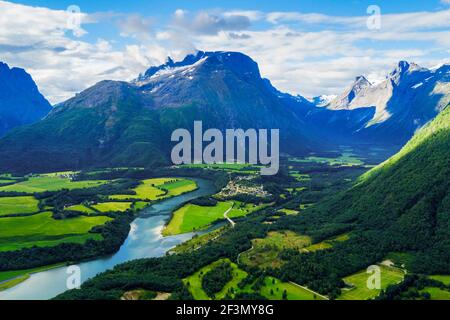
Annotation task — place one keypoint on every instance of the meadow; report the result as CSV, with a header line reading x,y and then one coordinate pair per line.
x,y
194,282
192,217
112,206
264,252
437,293
42,230
358,283
18,205
49,182
158,188
273,290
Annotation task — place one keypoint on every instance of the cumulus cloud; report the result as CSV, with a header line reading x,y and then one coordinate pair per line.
x,y
209,23
308,54
135,26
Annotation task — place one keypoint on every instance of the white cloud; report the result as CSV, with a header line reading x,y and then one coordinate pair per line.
x,y
308,54
210,23
135,26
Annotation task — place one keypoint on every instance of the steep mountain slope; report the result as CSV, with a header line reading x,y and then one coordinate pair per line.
x,y
408,98
120,123
20,100
404,203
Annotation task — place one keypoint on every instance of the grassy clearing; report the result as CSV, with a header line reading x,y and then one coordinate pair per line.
x,y
198,241
9,279
112,206
264,253
299,176
327,243
289,212
80,208
49,182
16,205
445,279
194,282
42,230
437,293
273,290
193,217
358,283
158,188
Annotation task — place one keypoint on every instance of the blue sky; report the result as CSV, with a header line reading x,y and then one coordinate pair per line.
x,y
304,47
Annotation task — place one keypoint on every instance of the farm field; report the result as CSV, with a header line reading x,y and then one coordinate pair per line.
x,y
112,206
193,217
80,208
264,253
445,279
17,205
158,188
358,281
50,182
198,241
42,230
194,282
437,293
273,290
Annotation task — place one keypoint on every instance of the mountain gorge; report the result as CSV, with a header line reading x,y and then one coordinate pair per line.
x,y
20,100
402,205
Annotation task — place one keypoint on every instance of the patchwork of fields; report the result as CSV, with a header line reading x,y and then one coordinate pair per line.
x,y
268,287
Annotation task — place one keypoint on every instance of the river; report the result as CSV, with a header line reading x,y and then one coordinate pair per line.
x,y
144,241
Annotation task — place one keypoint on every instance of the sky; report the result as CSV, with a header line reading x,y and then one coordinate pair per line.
x,y
306,47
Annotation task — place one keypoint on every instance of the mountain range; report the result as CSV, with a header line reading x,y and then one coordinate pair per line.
x,y
116,123
21,102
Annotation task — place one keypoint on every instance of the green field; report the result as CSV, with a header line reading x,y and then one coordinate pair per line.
x,y
194,282
358,283
327,243
437,293
15,205
445,279
112,206
289,212
264,253
50,182
273,290
80,208
193,217
198,241
158,188
42,230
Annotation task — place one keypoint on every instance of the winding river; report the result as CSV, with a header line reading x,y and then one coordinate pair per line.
x,y
144,241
